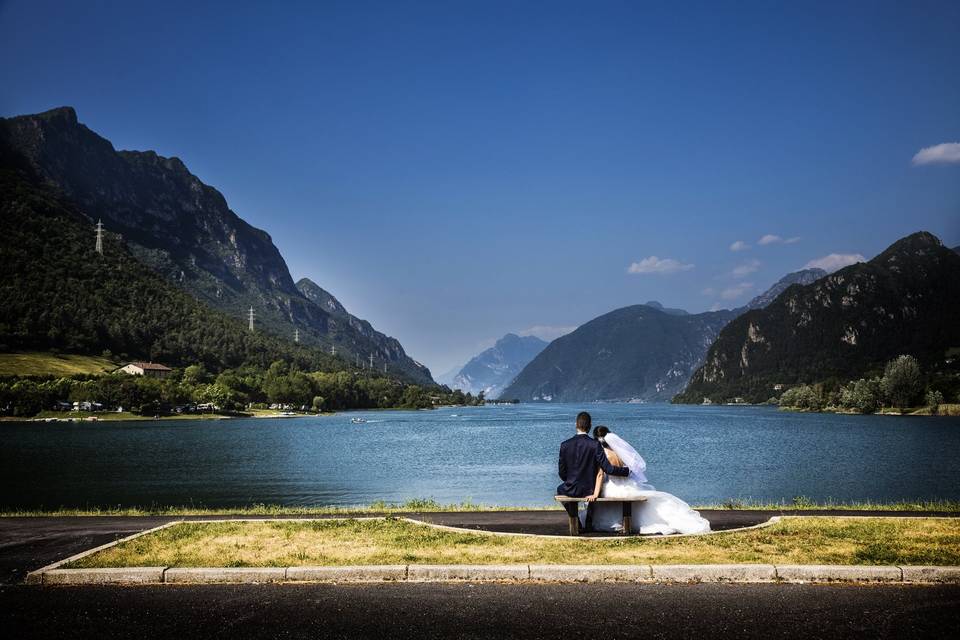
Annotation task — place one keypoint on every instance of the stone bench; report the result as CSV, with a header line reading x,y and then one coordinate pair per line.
x,y
627,511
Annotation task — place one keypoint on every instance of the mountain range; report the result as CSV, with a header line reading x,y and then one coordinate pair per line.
x,y
183,230
644,352
493,369
844,326
59,294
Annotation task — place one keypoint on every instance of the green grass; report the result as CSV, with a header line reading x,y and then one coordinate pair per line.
x,y
918,541
432,506
802,503
380,507
41,364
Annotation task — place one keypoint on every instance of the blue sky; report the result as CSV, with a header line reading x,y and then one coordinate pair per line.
x,y
454,171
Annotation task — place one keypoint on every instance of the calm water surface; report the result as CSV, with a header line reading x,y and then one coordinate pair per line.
x,y
493,455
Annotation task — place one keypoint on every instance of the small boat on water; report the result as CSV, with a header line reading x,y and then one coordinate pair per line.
x,y
357,420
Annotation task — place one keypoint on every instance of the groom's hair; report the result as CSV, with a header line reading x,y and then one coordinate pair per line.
x,y
583,422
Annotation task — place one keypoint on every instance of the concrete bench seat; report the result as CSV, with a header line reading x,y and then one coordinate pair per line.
x,y
627,511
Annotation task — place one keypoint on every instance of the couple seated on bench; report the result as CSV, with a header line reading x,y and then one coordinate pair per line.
x,y
608,474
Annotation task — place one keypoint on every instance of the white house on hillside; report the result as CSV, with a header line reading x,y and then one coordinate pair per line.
x,y
151,369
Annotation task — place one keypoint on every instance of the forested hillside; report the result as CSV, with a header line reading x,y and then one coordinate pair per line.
x,y
905,301
58,293
184,230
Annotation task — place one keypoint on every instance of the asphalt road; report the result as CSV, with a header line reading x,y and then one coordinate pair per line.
x,y
29,543
427,611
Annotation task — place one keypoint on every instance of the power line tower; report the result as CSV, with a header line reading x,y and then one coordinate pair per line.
x,y
384,368
296,336
333,349
371,361
250,317
99,245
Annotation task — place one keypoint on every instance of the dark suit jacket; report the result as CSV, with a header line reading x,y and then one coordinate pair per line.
x,y
580,457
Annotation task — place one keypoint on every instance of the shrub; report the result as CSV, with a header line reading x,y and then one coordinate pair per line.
x,y
901,381
862,395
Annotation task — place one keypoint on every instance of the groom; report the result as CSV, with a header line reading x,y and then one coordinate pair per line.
x,y
580,457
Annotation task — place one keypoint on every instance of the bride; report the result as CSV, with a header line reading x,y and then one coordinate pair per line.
x,y
660,513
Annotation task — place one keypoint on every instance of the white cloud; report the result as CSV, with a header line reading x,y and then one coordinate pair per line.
x,y
739,245
772,238
663,266
736,290
716,306
938,154
745,269
709,291
835,261
547,332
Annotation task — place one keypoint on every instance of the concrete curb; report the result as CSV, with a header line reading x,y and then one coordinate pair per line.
x,y
714,573
691,573
591,573
838,573
131,575
373,573
232,575
445,572
931,574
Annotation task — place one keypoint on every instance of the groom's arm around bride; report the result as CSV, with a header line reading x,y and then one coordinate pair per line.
x,y
580,457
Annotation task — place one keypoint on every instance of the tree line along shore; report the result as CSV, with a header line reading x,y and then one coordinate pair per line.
x,y
902,389
195,391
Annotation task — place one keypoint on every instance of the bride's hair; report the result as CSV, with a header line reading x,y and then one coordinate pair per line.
x,y
599,432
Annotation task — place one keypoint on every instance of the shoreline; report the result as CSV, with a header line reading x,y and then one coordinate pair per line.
x,y
132,417
63,417
431,506
946,410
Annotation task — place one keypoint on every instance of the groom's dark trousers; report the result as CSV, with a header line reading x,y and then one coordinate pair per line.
x,y
580,458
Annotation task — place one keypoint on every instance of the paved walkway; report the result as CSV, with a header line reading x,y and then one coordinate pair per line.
x,y
427,611
32,542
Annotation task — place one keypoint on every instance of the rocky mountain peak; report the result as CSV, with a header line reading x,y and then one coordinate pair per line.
x,y
320,296
802,277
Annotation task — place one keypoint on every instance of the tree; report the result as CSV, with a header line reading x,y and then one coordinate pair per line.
x,y
317,403
863,395
803,397
901,381
195,374
415,398
934,399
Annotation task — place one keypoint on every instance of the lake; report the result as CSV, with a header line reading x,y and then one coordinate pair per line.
x,y
504,455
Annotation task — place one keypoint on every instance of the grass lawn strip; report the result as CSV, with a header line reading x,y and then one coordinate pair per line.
x,y
348,542
427,505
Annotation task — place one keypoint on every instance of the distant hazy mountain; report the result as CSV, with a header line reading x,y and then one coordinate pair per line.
x,y
645,352
493,369
805,276
184,230
447,376
635,352
660,307
843,326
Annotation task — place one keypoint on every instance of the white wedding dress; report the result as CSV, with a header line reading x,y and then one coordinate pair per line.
x,y
660,512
